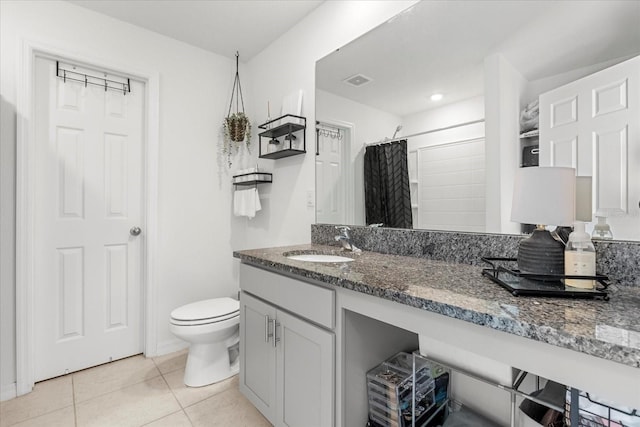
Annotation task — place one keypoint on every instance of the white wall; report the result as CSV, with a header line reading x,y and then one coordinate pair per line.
x,y
369,125
285,66
504,87
448,115
194,246
460,206
7,244
197,231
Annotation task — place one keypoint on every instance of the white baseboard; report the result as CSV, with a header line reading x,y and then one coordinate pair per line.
x,y
8,391
170,346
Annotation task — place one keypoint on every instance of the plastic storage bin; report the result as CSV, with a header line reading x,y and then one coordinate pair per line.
x,y
390,391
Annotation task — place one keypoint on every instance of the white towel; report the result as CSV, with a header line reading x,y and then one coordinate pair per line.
x,y
246,202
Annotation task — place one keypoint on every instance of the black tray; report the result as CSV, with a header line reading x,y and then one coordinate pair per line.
x,y
540,285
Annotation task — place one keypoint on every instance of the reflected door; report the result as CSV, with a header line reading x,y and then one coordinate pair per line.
x,y
330,185
89,195
593,125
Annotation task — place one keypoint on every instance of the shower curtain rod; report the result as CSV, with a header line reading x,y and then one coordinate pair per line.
x,y
400,138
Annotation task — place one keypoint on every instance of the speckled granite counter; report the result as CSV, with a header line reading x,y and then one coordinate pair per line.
x,y
616,259
609,330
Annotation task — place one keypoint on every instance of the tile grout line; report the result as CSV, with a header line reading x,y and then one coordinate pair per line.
x,y
102,394
188,417
73,396
38,415
75,402
168,385
165,416
183,408
142,380
174,394
162,374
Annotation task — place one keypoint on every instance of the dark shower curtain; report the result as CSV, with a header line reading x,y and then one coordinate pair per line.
x,y
386,185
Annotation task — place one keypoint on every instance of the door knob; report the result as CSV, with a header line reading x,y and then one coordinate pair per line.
x,y
135,231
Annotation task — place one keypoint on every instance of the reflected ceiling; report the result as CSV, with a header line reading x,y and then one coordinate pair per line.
x,y
450,39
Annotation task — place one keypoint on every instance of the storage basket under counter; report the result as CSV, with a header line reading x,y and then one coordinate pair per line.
x,y
391,395
391,392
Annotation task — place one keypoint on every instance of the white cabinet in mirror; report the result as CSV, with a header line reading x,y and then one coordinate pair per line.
x,y
489,60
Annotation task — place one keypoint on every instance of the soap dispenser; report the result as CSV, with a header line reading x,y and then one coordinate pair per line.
x,y
580,258
602,230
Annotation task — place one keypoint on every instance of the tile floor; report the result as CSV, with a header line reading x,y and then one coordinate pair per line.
x,y
131,392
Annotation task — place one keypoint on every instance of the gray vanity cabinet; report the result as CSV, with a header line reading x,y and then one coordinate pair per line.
x,y
257,355
287,361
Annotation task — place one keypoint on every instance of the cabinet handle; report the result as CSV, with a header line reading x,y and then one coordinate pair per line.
x,y
275,332
267,323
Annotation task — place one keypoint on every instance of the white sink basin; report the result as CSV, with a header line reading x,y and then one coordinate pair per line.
x,y
320,258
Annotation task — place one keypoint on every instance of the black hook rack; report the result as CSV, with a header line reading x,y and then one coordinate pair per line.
x,y
88,79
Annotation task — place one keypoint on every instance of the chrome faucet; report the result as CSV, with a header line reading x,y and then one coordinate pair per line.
x,y
345,239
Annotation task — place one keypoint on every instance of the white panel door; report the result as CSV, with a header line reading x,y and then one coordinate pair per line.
x,y
593,125
89,194
330,186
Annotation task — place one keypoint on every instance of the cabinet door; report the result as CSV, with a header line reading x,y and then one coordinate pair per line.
x,y
592,125
257,355
305,366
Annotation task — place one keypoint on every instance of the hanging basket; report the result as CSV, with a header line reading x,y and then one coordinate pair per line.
x,y
237,126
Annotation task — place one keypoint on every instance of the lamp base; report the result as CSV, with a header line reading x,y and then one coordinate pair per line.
x,y
541,254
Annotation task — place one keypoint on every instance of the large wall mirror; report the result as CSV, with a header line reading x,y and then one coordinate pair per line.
x,y
486,62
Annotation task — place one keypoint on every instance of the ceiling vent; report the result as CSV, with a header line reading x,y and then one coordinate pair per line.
x,y
357,80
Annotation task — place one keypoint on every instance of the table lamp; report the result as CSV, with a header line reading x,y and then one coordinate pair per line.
x,y
543,196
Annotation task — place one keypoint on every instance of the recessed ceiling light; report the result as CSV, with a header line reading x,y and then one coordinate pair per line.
x,y
436,97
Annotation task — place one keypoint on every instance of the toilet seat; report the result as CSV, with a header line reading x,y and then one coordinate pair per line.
x,y
205,312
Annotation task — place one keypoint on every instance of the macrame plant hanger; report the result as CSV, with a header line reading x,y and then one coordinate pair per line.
x,y
237,128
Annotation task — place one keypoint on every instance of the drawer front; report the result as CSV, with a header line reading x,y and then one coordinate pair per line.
x,y
312,302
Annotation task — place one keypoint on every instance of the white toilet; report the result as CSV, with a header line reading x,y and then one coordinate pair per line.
x,y
212,327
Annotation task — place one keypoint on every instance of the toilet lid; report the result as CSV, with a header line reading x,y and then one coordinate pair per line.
x,y
210,309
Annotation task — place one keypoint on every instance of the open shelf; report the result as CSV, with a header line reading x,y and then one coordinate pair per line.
x,y
283,133
253,178
281,153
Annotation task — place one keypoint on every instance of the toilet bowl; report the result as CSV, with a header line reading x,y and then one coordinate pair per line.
x,y
212,328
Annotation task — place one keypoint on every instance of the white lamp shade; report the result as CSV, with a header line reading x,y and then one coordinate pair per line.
x,y
544,195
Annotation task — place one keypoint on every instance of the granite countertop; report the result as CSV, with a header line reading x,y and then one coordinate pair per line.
x,y
605,329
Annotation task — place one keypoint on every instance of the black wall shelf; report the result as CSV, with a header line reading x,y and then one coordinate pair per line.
x,y
253,178
283,133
